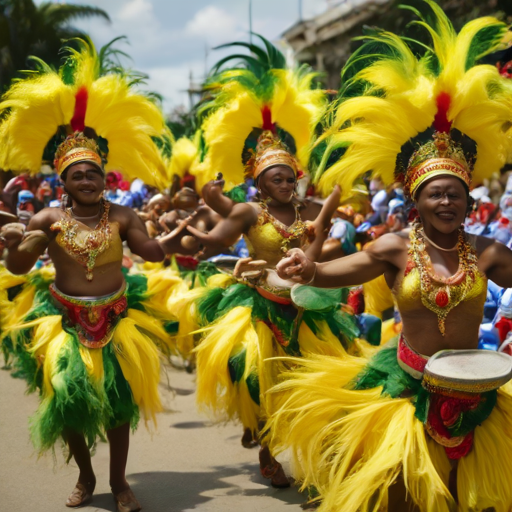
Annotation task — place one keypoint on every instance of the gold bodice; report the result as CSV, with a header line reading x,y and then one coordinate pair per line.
x,y
466,296
269,239
90,247
114,251
407,293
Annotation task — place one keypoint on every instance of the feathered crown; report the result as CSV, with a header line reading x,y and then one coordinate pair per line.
x,y
390,96
83,97
442,156
76,148
270,151
262,96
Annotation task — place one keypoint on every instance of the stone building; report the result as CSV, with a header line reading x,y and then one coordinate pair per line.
x,y
324,42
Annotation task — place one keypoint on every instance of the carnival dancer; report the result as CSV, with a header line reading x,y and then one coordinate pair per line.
x,y
410,416
250,316
86,341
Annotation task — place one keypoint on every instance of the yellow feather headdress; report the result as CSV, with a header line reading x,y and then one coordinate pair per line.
x,y
245,100
185,155
78,98
393,96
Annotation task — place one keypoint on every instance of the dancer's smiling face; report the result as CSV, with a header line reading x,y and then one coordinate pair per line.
x,y
442,203
278,183
84,182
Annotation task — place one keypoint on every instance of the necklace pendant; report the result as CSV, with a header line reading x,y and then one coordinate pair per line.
x,y
442,298
441,325
89,275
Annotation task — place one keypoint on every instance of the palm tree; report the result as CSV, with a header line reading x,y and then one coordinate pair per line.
x,y
27,29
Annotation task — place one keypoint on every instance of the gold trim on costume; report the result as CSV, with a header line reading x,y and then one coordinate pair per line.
x,y
436,167
439,157
270,151
77,155
273,157
76,148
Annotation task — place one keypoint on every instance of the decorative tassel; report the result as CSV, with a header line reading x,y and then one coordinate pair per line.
x,y
78,119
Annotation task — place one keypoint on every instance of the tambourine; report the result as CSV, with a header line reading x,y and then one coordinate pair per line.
x,y
466,371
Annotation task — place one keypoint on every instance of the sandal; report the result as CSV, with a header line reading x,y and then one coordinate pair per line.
x,y
248,440
126,501
79,496
276,475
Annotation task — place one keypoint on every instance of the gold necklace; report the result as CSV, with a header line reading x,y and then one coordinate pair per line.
x,y
454,248
85,249
289,233
441,294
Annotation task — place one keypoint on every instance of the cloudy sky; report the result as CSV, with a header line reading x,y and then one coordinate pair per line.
x,y
169,39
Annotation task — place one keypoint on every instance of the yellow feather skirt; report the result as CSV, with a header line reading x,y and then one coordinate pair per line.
x,y
353,445
238,359
87,390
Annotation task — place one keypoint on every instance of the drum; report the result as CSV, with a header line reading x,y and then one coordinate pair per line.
x,y
466,371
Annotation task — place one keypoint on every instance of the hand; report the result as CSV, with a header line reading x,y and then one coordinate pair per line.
x,y
33,240
203,238
297,267
11,234
244,265
171,242
216,186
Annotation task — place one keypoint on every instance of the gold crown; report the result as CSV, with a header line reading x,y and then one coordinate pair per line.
x,y
270,151
76,148
439,157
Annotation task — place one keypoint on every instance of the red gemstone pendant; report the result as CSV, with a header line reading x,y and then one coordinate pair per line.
x,y
442,298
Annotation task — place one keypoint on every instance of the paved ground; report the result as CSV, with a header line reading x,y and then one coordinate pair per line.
x,y
187,464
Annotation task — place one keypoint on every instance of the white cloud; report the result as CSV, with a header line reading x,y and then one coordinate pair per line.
x,y
168,38
137,10
213,24
172,82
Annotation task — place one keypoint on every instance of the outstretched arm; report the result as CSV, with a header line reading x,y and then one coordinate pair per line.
x,y
322,224
228,231
215,199
496,262
138,239
383,256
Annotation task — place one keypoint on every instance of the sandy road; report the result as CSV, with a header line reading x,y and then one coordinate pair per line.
x,y
187,464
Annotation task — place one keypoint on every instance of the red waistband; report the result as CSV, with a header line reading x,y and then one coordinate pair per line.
x,y
93,321
273,297
409,360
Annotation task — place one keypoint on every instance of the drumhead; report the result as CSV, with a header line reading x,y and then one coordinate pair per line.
x,y
482,369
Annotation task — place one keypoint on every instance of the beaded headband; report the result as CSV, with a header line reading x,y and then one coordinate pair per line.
x,y
76,148
440,157
270,152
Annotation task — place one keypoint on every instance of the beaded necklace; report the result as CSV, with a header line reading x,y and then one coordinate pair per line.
x,y
441,294
289,233
85,248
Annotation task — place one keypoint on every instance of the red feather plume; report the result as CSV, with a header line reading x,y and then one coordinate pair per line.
x,y
78,119
441,123
266,114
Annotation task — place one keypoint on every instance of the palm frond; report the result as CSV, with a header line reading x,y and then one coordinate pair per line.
x,y
58,14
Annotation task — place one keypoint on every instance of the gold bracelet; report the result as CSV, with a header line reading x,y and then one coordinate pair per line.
x,y
313,278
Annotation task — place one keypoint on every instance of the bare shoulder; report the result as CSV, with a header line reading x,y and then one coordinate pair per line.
x,y
388,247
245,209
493,253
482,243
44,219
310,209
121,214
126,218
